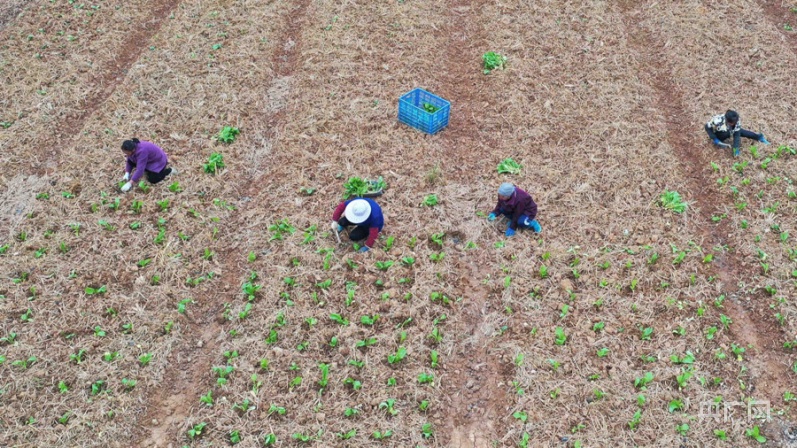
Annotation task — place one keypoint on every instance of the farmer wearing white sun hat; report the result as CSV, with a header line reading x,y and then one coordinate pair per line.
x,y
365,214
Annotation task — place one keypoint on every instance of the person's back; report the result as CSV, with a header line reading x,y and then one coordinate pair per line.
x,y
376,219
151,156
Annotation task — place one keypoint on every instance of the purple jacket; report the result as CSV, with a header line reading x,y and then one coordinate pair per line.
x,y
147,156
520,203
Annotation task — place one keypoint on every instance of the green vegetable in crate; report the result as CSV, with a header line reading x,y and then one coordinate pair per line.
x,y
431,108
357,186
492,61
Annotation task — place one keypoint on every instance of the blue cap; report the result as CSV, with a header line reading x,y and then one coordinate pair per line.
x,y
506,189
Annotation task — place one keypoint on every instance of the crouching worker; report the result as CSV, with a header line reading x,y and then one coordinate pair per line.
x,y
724,126
363,213
145,158
518,207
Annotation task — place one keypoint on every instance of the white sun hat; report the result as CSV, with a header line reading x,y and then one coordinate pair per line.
x,y
357,211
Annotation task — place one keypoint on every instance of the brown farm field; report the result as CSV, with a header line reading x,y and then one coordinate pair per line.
x,y
218,310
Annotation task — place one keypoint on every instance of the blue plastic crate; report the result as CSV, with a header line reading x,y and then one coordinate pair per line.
x,y
411,111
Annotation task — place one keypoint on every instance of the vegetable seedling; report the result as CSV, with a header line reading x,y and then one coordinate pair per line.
x,y
430,200
357,187
196,431
227,133
509,166
671,200
755,434
215,163
492,61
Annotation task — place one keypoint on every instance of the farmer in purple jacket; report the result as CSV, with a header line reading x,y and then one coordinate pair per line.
x,y
145,158
518,207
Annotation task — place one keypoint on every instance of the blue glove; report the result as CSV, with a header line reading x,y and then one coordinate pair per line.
x,y
340,228
363,249
717,142
510,232
491,217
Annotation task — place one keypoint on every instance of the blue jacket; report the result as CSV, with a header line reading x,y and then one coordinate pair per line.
x,y
374,223
376,219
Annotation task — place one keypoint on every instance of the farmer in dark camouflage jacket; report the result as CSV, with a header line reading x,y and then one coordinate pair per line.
x,y
724,126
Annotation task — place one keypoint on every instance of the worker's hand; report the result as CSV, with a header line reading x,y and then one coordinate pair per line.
x,y
363,249
510,232
717,142
126,187
736,152
491,217
126,176
336,227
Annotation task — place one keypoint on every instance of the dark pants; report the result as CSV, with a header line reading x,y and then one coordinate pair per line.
x,y
359,232
154,177
725,135
744,133
521,219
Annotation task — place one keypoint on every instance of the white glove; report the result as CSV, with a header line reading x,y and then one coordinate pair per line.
x,y
127,176
126,187
336,227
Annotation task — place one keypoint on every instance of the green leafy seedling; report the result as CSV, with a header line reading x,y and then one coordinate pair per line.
x,y
228,133
493,61
671,200
196,431
214,164
509,166
755,434
430,200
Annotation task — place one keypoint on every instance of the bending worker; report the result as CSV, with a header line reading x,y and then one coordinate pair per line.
x,y
721,127
363,213
145,158
518,207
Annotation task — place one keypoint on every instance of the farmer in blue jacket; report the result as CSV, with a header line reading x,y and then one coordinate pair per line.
x,y
518,207
363,213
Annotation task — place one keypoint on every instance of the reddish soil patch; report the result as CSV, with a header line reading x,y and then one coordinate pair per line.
x,y
103,85
465,85
10,11
769,373
477,388
171,404
782,16
284,63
